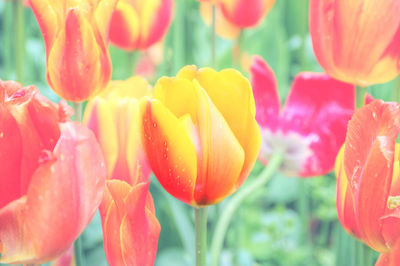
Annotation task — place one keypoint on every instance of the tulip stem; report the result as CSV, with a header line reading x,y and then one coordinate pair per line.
x,y
234,203
77,111
360,96
78,252
19,52
201,235
7,36
397,89
213,37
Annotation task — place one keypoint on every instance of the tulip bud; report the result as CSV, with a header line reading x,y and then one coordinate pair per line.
x,y
75,35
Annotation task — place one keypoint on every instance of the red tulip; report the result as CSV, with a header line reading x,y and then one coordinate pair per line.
x,y
52,178
130,228
76,39
245,13
368,186
138,24
310,129
357,41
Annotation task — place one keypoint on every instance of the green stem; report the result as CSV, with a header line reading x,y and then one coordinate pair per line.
x,y
360,96
183,224
130,63
396,89
213,38
304,210
78,252
234,203
7,36
19,45
78,111
237,52
201,235
178,55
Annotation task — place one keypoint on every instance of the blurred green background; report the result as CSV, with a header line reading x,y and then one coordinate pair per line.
x,y
272,227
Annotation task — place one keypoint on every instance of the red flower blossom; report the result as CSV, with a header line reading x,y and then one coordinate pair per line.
x,y
52,178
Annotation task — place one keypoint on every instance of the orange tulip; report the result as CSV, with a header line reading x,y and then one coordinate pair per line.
x,y
245,13
138,24
200,134
357,41
130,228
368,184
75,35
41,211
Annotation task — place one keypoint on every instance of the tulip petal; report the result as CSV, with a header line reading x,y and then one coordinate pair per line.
x,y
116,190
320,117
139,229
10,156
14,248
170,151
369,154
344,35
390,259
245,13
156,16
239,111
78,157
124,26
266,94
344,198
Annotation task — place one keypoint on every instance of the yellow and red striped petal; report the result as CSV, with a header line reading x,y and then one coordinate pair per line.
x,y
239,111
344,35
345,199
169,149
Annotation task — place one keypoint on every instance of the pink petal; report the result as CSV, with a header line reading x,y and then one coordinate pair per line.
x,y
265,91
319,108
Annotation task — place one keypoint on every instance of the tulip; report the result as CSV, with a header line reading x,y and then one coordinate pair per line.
x,y
200,134
52,178
245,13
223,27
130,228
367,170
137,24
311,127
76,39
357,41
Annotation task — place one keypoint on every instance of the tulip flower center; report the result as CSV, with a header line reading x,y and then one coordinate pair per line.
x,y
294,147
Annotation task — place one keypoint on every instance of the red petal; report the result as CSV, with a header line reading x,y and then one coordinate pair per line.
x,y
73,183
319,108
140,229
368,160
10,158
265,92
390,259
117,191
